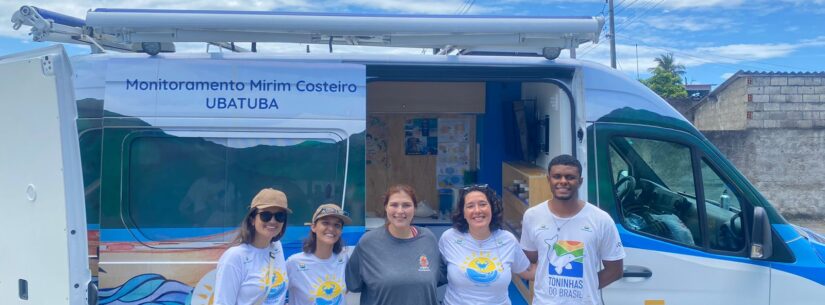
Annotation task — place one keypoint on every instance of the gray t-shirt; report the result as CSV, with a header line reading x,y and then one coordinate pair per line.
x,y
387,270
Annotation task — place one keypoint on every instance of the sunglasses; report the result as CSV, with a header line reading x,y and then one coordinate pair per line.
x,y
331,211
267,216
474,187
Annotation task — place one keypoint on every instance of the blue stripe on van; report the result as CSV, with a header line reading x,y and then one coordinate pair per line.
x,y
807,264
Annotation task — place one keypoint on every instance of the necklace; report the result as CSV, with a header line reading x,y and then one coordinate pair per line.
x,y
558,227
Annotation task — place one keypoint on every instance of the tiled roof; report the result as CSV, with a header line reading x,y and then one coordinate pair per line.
x,y
778,73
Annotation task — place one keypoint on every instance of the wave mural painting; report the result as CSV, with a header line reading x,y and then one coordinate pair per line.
x,y
148,289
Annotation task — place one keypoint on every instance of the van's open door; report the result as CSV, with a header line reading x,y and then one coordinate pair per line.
x,y
42,221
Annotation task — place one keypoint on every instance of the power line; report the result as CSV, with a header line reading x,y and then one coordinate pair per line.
x,y
464,8
625,25
703,57
625,7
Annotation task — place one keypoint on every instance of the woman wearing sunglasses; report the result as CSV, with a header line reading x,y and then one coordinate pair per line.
x,y
316,275
399,263
253,271
479,255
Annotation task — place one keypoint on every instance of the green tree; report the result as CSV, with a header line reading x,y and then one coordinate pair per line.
x,y
666,84
668,63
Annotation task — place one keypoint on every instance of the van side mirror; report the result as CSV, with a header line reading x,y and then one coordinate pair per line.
x,y
761,239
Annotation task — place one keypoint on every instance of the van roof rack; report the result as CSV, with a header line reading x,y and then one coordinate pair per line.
x,y
153,30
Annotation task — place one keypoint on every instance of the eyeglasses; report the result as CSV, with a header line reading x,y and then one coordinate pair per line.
x,y
267,216
474,187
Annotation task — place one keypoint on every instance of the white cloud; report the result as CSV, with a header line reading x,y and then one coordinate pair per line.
x,y
727,75
418,6
686,4
687,23
733,54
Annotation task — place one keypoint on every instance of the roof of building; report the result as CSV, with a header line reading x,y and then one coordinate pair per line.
x,y
698,86
742,73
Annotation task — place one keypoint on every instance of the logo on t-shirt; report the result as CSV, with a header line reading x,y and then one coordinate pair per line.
x,y
302,266
565,268
423,263
276,281
566,258
328,290
482,268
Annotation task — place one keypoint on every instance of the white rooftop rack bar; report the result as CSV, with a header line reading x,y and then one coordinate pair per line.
x,y
130,29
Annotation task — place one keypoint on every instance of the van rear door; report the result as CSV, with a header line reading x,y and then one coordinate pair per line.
x,y
43,222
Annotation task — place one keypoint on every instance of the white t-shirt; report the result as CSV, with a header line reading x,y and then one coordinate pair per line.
x,y
570,252
317,281
241,278
479,272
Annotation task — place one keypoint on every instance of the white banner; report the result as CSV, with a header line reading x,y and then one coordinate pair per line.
x,y
164,87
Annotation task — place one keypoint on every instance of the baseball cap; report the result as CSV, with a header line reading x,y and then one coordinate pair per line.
x,y
330,209
268,198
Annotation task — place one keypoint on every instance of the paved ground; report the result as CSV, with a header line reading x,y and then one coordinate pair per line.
x,y
815,225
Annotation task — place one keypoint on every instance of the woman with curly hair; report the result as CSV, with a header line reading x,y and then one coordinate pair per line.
x,y
479,255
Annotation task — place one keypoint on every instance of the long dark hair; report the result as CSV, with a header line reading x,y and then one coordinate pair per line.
x,y
246,230
460,224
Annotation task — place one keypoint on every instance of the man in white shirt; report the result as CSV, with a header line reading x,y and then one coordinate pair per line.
x,y
570,240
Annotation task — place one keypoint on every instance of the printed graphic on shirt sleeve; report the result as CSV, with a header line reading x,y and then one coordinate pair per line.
x,y
328,291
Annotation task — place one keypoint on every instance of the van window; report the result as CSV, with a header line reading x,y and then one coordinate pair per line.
x,y
194,182
724,212
619,166
658,198
90,161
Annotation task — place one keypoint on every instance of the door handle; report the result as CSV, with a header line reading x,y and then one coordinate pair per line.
x,y
644,274
637,272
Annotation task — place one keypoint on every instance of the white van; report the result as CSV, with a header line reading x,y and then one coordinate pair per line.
x,y
173,146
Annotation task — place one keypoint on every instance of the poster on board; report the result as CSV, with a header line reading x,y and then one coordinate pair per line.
x,y
421,137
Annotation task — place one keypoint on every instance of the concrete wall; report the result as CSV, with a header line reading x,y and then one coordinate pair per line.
x,y
786,165
685,106
785,101
727,112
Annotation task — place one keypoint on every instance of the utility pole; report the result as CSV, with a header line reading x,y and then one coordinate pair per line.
x,y
612,37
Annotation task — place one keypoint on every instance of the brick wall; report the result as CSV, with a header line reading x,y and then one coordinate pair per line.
x,y
785,101
727,112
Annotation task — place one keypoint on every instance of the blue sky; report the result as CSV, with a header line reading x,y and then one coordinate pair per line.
x,y
712,38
